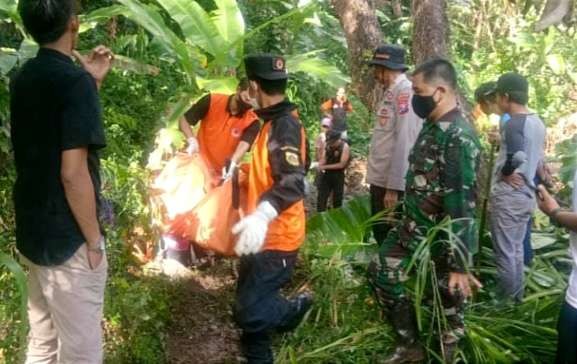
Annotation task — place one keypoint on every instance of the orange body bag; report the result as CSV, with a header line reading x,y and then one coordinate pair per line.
x,y
197,210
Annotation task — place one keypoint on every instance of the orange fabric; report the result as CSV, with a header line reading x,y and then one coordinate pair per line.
x,y
220,132
209,224
287,231
327,106
195,209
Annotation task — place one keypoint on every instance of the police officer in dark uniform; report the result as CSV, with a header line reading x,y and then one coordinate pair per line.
x,y
274,228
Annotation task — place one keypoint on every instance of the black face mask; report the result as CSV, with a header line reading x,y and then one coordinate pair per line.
x,y
423,106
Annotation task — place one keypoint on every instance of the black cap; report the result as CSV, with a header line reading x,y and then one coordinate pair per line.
x,y
485,91
266,67
512,83
389,56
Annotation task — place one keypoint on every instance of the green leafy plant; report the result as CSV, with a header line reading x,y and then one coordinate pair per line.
x,y
16,271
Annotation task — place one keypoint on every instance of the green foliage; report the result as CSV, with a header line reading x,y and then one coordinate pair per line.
x,y
137,318
191,47
345,325
491,38
16,295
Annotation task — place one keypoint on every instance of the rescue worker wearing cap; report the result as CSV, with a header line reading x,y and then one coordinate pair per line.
x,y
270,234
512,197
395,132
228,127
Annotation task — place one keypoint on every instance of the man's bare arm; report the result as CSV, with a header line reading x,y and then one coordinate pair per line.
x,y
80,194
185,128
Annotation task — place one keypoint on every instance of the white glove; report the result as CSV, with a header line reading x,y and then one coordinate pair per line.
x,y
252,229
227,174
192,146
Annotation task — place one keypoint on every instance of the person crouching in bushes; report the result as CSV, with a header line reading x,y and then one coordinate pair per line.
x,y
333,163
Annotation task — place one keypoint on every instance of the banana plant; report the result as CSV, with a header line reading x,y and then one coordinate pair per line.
x,y
209,47
11,57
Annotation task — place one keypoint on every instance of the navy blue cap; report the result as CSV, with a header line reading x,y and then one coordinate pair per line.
x,y
266,67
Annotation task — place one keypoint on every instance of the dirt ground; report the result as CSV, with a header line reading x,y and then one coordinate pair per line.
x,y
203,331
203,311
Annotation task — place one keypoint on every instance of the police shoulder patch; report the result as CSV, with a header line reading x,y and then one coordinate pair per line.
x,y
403,102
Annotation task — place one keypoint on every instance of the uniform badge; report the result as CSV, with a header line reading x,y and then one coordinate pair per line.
x,y
278,64
389,96
403,103
235,132
383,115
292,158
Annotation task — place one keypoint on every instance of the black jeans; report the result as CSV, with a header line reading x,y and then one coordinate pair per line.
x,y
381,228
331,182
567,328
260,309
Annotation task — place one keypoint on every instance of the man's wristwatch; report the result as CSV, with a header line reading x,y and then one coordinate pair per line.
x,y
100,246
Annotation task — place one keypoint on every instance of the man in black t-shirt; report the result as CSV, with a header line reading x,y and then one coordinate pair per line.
x,y
57,130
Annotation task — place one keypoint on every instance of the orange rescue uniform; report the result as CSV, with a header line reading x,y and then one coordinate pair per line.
x,y
277,175
220,132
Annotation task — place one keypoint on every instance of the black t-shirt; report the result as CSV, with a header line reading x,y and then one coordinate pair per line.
x,y
54,107
333,155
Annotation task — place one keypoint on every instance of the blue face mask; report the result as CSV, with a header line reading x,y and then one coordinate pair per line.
x,y
505,117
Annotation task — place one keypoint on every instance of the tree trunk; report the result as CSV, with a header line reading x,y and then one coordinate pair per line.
x,y
431,30
362,32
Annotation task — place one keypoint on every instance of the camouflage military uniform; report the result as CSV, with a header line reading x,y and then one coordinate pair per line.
x,y
441,183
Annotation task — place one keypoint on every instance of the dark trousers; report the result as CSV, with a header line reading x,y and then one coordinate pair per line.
x,y
260,309
331,183
567,328
381,228
527,248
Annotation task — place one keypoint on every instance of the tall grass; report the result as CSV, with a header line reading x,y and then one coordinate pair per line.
x,y
21,328
346,324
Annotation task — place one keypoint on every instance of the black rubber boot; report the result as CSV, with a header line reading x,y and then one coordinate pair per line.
x,y
256,348
408,348
300,305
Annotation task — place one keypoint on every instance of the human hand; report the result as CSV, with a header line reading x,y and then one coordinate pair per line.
x,y
252,229
514,180
391,198
545,201
97,63
192,147
228,171
94,253
464,283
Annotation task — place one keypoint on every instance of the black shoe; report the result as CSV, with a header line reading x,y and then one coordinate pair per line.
x,y
256,348
412,353
300,305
